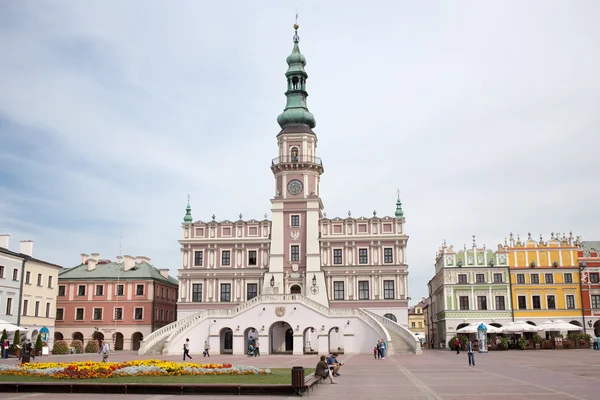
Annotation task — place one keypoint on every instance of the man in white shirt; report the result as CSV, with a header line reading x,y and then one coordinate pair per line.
x,y
105,350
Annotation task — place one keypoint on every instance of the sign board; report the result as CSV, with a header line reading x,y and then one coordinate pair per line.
x,y
45,351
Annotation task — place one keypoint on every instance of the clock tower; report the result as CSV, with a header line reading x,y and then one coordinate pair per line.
x,y
294,261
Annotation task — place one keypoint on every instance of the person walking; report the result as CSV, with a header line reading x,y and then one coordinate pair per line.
x,y
457,345
104,351
256,348
378,349
186,349
471,353
383,348
206,349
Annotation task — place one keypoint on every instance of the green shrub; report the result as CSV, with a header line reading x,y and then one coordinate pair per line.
x,y
451,343
38,343
60,347
522,343
92,346
17,339
503,343
77,345
537,339
4,336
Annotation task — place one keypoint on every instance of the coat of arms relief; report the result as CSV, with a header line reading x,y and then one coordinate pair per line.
x,y
280,311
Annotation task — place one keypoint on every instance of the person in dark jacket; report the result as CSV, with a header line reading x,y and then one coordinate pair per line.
x,y
322,370
471,353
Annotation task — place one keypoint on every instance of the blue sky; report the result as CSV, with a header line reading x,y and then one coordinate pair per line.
x,y
485,115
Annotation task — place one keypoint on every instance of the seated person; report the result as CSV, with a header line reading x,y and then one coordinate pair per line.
x,y
322,370
334,364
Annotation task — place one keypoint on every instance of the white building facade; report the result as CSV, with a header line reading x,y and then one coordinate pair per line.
x,y
300,282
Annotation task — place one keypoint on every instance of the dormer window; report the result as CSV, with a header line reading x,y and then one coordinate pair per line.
x,y
294,154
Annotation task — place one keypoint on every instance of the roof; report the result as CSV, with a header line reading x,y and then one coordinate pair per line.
x,y
111,269
586,246
26,257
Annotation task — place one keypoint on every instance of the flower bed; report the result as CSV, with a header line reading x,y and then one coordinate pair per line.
x,y
94,369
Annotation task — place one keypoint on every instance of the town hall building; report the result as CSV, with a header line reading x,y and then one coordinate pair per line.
x,y
301,282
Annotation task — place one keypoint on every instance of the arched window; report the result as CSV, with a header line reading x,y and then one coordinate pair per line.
x,y
294,154
391,316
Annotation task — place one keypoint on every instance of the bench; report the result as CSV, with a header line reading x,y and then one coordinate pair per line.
x,y
311,381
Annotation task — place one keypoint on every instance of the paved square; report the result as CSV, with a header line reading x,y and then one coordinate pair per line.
x,y
437,374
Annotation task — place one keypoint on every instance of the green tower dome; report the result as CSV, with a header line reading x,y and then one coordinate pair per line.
x,y
187,219
296,112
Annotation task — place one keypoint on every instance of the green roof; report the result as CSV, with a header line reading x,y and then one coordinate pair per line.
x,y
587,246
112,270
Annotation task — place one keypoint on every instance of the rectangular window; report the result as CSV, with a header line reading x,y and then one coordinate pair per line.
x,y
99,290
295,220
9,306
97,314
252,257
295,253
549,278
363,290
47,310
139,290
388,256
226,258
60,314
338,290
480,278
522,302
251,290
500,303
463,302
119,290
571,301
551,301
162,315
363,256
462,278
37,309
521,278
162,292
197,292
79,314
481,302
535,278
388,290
198,258
50,282
81,290
593,277
568,278
337,256
595,301
28,277
118,313
497,278
39,280
25,307
15,274
536,302
1,271
225,292
413,324
138,313
61,291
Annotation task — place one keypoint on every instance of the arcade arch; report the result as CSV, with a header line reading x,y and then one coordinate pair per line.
x,y
281,338
226,340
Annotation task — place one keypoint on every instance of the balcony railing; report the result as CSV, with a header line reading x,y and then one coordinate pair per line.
x,y
297,160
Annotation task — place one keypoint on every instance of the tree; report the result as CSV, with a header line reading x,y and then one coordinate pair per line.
x,y
38,344
4,336
17,339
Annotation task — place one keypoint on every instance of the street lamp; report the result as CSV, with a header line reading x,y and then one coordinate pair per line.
x,y
272,280
460,263
314,280
491,262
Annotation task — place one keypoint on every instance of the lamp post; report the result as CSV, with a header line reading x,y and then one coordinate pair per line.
x,y
314,280
582,266
272,282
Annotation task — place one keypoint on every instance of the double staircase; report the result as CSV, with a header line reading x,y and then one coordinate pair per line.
x,y
399,339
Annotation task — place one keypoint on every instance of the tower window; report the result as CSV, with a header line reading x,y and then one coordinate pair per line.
x,y
295,81
294,154
295,253
295,220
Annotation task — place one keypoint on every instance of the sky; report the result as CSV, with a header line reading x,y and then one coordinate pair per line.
x,y
485,114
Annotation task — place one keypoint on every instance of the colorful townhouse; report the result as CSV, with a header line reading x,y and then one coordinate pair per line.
x,y
589,263
470,285
545,279
121,301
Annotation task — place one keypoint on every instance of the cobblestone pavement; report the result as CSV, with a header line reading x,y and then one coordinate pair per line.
x,y
437,374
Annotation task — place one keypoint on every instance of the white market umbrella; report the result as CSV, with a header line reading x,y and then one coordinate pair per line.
x,y
472,328
559,325
10,327
519,327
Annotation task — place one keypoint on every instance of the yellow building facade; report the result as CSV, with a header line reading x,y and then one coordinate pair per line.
x,y
545,279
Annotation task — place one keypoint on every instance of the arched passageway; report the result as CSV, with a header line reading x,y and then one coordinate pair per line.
x,y
296,289
118,341
226,339
311,337
281,338
391,317
336,340
58,336
136,339
250,337
77,336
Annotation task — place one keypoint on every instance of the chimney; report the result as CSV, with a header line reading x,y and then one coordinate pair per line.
x,y
164,272
4,240
119,259
84,258
26,247
144,258
95,256
129,263
593,253
138,259
91,264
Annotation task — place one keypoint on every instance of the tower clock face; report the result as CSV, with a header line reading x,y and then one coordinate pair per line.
x,y
295,187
